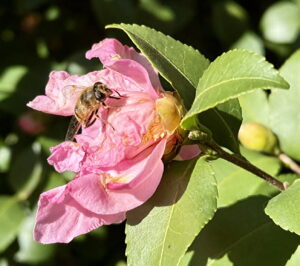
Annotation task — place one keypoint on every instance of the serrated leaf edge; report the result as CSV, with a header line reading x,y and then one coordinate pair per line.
x,y
120,26
214,211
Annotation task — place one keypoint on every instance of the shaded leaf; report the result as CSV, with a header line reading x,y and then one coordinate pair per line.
x,y
5,158
295,259
9,80
11,217
224,122
230,21
31,251
250,41
284,209
160,231
241,234
255,107
26,171
179,64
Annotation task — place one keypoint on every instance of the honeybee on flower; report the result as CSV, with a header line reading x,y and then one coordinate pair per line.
x,y
118,166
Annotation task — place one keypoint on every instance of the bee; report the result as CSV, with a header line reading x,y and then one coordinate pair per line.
x,y
86,108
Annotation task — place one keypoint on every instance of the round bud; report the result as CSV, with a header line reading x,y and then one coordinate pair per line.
x,y
255,136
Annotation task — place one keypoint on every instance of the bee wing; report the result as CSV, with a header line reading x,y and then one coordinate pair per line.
x,y
73,128
72,92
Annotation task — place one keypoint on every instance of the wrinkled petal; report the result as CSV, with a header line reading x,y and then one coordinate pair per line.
x,y
188,152
107,145
62,92
66,156
129,185
111,50
60,218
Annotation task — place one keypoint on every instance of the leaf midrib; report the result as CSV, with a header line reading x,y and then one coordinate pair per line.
x,y
230,80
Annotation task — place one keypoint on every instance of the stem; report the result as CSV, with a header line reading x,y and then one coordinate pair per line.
x,y
289,162
246,165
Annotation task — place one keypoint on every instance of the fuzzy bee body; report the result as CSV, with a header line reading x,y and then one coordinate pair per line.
x,y
87,106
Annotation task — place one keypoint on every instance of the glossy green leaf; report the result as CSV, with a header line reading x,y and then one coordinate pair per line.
x,y
9,80
284,209
224,122
231,75
241,234
285,108
281,23
160,231
31,251
235,183
179,64
11,217
295,259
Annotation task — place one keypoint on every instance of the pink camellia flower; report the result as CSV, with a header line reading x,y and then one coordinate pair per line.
x,y
118,159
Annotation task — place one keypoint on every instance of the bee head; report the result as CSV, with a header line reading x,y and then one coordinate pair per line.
x,y
101,91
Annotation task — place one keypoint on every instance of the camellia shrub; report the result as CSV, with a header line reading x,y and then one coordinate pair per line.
x,y
168,160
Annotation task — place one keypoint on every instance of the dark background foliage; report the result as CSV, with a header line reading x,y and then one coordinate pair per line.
x,y
37,36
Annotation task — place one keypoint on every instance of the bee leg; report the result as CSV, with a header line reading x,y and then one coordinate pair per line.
x,y
104,121
114,97
91,119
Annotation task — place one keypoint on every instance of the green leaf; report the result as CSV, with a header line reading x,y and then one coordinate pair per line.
x,y
47,142
224,122
10,79
26,171
295,259
250,41
281,23
231,75
266,189
179,64
284,209
284,108
5,155
255,107
241,234
31,251
235,183
160,231
11,217
230,20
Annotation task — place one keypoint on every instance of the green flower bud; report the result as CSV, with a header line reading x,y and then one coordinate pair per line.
x,y
255,136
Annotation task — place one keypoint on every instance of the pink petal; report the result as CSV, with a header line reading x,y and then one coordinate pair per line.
x,y
60,218
141,178
62,92
66,156
188,152
137,73
111,50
